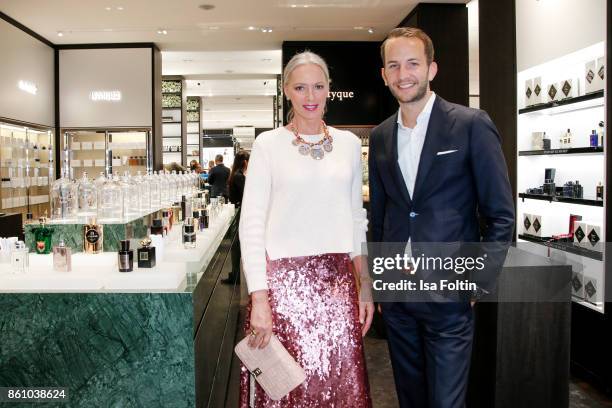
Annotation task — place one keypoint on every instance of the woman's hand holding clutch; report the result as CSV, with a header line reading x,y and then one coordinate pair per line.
x,y
261,320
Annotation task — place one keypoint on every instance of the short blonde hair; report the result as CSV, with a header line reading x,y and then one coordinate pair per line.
x,y
303,58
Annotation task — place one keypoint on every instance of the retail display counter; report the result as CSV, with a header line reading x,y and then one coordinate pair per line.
x,y
129,339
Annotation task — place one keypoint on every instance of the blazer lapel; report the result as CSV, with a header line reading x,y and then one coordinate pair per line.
x,y
439,124
392,155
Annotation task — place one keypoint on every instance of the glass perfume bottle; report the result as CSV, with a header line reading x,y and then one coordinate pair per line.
x,y
131,201
154,191
62,257
157,227
63,197
146,254
144,193
599,191
126,257
20,258
189,235
111,201
93,238
42,237
593,139
87,197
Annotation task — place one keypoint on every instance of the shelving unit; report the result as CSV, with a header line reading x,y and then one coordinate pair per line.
x,y
173,131
194,129
577,162
26,168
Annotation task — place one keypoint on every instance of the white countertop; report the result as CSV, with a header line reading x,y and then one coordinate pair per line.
x,y
99,273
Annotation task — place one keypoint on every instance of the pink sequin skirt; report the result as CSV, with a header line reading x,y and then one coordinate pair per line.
x,y
315,315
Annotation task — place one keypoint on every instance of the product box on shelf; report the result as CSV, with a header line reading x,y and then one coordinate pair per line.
x,y
536,98
528,92
600,77
88,163
590,73
99,162
536,225
116,161
577,285
580,237
590,289
86,145
75,145
75,163
99,146
537,140
569,88
593,237
527,224
552,90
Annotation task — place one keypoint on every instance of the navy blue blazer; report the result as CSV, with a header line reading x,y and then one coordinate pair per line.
x,y
452,191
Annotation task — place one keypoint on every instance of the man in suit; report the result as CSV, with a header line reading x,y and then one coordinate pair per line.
x,y
217,178
436,168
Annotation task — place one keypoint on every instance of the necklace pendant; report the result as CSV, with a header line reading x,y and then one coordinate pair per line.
x,y
328,147
317,154
295,142
304,149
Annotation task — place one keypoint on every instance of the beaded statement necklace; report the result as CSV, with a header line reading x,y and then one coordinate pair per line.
x,y
315,150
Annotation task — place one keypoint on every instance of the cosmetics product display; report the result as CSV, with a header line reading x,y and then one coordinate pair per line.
x,y
189,234
126,257
599,191
62,258
146,254
42,237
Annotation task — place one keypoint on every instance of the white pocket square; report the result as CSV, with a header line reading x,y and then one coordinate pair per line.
x,y
445,152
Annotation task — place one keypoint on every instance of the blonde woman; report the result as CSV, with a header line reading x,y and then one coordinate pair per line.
x,y
301,230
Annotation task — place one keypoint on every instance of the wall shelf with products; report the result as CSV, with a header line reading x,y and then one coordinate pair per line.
x,y
559,199
561,159
564,102
27,168
574,150
194,128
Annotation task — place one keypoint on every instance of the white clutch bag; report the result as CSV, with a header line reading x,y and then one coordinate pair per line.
x,y
273,367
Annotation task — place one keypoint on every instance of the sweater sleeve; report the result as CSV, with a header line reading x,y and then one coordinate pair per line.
x,y
360,221
253,218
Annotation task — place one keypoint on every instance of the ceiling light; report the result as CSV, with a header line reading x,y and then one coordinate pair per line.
x,y
293,5
213,28
358,28
305,6
60,34
206,7
108,8
371,30
266,30
251,28
162,31
120,8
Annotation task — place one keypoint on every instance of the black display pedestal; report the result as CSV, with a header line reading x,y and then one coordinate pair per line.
x,y
11,226
521,350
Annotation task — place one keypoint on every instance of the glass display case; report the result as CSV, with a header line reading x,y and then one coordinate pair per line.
x,y
109,151
26,169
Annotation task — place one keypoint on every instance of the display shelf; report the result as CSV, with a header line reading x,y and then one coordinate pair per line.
x,y
172,93
171,137
551,152
171,122
564,246
580,201
564,102
588,305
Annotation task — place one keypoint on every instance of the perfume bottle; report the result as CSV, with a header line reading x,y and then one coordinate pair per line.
x,y
63,196
20,258
111,200
93,238
189,235
176,213
146,254
203,222
157,227
196,220
600,132
599,191
126,257
87,194
166,221
593,139
62,257
545,142
568,139
42,237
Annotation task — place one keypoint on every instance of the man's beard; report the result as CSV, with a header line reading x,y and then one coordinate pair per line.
x,y
421,92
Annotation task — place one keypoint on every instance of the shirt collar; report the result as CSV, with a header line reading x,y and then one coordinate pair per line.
x,y
424,113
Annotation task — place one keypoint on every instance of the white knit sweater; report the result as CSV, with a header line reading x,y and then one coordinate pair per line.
x,y
294,205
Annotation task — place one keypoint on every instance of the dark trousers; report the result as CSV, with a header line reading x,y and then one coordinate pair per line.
x,y
430,346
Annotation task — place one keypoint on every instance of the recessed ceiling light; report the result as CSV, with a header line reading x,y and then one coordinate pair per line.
x,y
108,8
371,30
206,7
251,28
358,28
60,34
293,5
266,30
305,6
162,31
120,8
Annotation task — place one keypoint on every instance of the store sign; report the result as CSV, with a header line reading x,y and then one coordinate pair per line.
x,y
340,95
28,87
105,96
